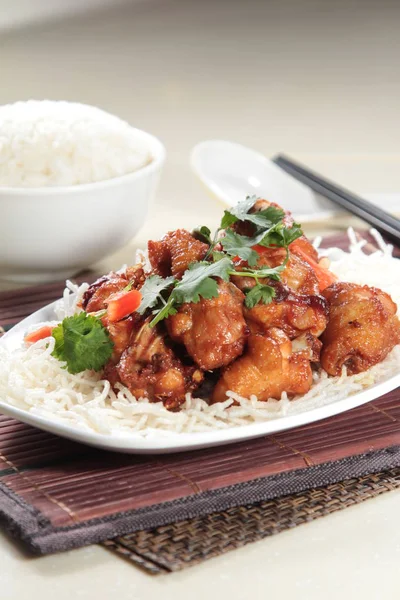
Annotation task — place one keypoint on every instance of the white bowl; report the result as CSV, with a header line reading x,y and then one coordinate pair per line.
x,y
50,233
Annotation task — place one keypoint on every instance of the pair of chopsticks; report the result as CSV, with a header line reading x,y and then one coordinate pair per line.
x,y
386,224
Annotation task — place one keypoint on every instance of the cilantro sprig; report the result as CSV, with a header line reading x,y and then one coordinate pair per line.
x,y
235,244
197,282
163,296
259,294
152,291
281,236
82,342
263,218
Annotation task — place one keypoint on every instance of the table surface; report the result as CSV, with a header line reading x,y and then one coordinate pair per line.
x,y
318,80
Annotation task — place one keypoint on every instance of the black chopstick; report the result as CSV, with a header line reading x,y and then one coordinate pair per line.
x,y
385,223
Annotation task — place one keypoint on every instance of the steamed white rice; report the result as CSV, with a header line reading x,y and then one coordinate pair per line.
x,y
48,143
31,379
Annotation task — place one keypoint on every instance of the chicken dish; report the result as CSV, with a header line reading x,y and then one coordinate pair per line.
x,y
251,309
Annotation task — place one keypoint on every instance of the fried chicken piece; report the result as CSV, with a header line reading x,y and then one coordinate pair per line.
x,y
291,312
159,257
173,254
149,368
302,242
95,299
96,296
268,368
309,345
121,333
297,275
213,331
246,228
362,328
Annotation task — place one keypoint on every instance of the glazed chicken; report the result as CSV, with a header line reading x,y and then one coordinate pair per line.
x,y
95,299
213,331
141,358
121,334
150,368
293,313
268,368
265,350
96,296
362,328
298,275
173,254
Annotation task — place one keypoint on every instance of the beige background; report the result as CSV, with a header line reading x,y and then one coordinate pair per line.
x,y
318,79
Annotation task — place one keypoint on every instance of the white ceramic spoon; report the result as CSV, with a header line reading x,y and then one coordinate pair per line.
x,y
232,172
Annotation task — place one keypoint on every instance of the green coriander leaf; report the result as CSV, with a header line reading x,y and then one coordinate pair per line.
x,y
259,294
271,272
235,244
166,311
275,276
274,236
281,236
82,342
58,335
292,233
228,219
216,256
238,212
196,281
204,233
205,288
264,218
151,291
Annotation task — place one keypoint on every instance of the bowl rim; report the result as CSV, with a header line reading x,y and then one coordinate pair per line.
x,y
156,149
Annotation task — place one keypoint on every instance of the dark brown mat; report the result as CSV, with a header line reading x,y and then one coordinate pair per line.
x,y
187,543
55,494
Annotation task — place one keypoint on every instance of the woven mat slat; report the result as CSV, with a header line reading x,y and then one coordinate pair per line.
x,y
187,543
69,483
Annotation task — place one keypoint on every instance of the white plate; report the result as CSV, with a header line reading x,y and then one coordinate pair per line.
x,y
174,442
232,172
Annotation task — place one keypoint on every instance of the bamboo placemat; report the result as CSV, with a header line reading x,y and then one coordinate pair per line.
x,y
161,511
186,543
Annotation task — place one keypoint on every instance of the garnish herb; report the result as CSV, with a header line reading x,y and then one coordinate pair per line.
x,y
259,294
164,296
82,342
264,218
152,290
196,283
281,236
241,246
203,233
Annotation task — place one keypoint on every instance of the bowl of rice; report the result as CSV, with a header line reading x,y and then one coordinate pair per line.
x,y
75,185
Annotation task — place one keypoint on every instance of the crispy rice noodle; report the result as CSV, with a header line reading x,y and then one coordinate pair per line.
x,y
31,379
